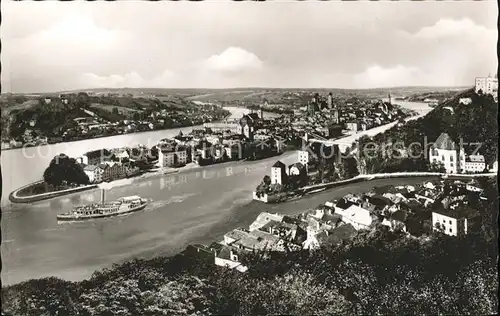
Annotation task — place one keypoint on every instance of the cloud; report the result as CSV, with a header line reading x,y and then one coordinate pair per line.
x,y
377,76
233,59
78,28
448,28
131,80
370,46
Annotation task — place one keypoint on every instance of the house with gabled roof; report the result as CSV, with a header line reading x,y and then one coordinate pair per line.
x,y
358,217
316,239
447,152
265,218
94,173
290,232
229,257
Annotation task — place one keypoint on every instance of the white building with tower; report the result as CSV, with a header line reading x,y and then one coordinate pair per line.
x,y
278,173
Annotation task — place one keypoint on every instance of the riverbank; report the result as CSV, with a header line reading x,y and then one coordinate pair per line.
x,y
14,196
159,172
317,188
118,134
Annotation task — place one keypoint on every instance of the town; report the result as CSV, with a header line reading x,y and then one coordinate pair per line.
x,y
31,120
253,136
439,206
448,206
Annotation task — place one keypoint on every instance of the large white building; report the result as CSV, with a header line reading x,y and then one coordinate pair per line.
x,y
475,163
488,85
449,222
171,158
445,150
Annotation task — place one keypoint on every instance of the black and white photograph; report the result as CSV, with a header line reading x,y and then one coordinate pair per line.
x,y
249,158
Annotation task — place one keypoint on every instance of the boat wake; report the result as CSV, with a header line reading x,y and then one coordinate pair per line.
x,y
173,199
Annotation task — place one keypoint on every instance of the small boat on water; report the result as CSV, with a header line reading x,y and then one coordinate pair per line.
x,y
124,205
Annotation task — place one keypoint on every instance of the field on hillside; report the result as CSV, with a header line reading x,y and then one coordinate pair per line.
x,y
228,96
109,108
22,106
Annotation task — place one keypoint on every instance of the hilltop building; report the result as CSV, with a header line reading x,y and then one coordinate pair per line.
x,y
488,85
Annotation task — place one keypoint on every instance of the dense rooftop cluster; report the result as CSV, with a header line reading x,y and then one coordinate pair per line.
x,y
447,206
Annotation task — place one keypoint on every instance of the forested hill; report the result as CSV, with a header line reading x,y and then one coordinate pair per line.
x,y
472,123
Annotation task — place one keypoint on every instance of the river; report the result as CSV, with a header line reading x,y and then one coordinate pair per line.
x,y
26,165
198,205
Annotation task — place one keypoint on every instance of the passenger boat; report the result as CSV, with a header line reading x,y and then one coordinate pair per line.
x,y
124,205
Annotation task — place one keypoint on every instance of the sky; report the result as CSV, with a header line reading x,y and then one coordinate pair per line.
x,y
56,46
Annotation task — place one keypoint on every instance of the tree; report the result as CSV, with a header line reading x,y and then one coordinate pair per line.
x,y
348,168
266,180
437,166
82,100
264,186
63,169
115,111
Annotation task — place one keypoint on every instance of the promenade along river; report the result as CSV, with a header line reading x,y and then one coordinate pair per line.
x,y
198,205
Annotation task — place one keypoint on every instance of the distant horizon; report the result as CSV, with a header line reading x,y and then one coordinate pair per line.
x,y
237,88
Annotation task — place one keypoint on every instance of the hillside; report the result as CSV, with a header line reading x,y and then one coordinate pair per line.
x,y
54,116
473,123
376,273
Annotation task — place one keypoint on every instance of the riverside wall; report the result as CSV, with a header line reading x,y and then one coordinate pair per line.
x,y
360,178
15,198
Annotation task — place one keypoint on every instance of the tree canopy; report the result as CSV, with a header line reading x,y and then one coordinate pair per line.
x,y
63,169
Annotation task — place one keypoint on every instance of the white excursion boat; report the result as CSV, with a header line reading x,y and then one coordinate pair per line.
x,y
124,205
